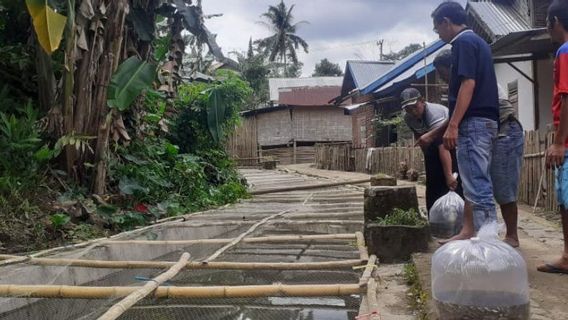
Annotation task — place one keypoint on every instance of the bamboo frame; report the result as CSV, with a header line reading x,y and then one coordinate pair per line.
x,y
368,272
363,253
275,290
238,239
309,187
104,264
121,307
279,221
372,303
340,236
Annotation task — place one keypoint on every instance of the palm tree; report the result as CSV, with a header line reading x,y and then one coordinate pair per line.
x,y
284,42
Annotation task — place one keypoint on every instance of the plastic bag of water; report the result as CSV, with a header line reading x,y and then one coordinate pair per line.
x,y
482,278
446,215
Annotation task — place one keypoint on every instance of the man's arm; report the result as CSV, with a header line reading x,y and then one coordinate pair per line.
x,y
427,138
556,151
465,95
446,159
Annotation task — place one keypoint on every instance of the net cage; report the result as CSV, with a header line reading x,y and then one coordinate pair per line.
x,y
294,255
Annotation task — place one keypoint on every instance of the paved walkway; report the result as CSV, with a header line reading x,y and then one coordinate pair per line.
x,y
541,241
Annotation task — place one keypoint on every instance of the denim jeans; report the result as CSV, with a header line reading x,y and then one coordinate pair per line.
x,y
561,185
475,147
507,162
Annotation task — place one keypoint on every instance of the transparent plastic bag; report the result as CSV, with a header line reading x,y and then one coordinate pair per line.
x,y
446,216
480,278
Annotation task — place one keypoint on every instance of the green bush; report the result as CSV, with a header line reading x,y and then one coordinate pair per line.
x,y
399,217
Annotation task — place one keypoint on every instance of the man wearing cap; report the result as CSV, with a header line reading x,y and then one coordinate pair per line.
x,y
427,121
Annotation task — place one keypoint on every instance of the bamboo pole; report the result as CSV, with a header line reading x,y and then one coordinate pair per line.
x,y
368,272
279,221
121,307
361,246
340,236
274,290
310,186
238,239
372,303
104,264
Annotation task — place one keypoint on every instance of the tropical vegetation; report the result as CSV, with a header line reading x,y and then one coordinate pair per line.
x,y
103,125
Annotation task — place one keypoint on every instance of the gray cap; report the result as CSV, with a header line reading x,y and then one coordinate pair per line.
x,y
409,97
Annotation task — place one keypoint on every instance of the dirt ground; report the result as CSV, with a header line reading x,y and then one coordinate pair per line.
x,y
541,241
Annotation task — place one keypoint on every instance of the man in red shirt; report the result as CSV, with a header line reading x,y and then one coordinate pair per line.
x,y
556,154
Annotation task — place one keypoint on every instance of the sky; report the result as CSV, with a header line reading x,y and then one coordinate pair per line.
x,y
339,30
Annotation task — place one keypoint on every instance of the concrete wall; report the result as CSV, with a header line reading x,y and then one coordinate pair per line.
x,y
506,74
363,128
303,124
545,87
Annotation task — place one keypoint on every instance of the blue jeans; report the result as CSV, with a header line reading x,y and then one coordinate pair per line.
x,y
475,147
562,183
507,162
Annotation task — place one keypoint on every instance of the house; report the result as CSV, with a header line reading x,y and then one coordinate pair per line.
x,y
522,54
276,85
358,74
289,131
378,99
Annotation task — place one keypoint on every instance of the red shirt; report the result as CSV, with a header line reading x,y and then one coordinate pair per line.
x,y
560,83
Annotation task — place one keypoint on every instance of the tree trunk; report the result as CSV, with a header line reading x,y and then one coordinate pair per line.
x,y
46,78
114,38
69,82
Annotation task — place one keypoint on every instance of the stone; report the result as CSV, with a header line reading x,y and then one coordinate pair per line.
x,y
396,243
269,164
382,180
380,201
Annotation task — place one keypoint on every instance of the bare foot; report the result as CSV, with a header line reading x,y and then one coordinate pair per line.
x,y
558,266
512,241
459,236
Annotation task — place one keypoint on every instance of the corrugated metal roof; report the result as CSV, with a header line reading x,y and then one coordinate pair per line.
x,y
274,84
308,96
409,66
500,19
364,72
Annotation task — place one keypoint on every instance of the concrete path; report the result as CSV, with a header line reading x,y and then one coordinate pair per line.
x,y
541,241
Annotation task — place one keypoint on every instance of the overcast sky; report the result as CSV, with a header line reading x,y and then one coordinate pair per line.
x,y
339,30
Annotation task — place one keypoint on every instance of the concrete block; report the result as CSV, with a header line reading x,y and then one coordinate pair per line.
x,y
380,201
382,180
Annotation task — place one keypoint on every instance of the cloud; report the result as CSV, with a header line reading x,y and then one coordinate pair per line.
x,y
338,29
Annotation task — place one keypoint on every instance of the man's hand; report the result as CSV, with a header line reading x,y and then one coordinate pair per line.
x,y
451,182
555,155
451,137
424,141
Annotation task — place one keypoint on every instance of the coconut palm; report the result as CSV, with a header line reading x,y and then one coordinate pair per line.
x,y
284,42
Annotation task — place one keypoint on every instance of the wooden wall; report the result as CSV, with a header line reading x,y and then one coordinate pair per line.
x,y
242,144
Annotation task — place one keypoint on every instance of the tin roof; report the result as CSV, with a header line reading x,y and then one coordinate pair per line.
x,y
308,96
359,73
498,19
275,84
406,67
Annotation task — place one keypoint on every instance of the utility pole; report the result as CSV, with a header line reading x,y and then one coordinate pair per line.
x,y
380,43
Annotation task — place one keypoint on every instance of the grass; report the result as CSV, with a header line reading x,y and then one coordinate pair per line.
x,y
416,295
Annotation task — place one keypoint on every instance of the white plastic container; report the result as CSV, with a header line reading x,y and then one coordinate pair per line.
x,y
482,278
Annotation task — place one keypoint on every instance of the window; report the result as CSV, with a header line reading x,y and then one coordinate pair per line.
x,y
513,90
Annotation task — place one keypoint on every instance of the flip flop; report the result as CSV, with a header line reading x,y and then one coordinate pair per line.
x,y
548,268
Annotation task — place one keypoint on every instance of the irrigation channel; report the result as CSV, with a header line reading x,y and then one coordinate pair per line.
x,y
294,255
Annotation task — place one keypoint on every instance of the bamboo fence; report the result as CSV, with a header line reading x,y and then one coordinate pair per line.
x,y
242,144
536,185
